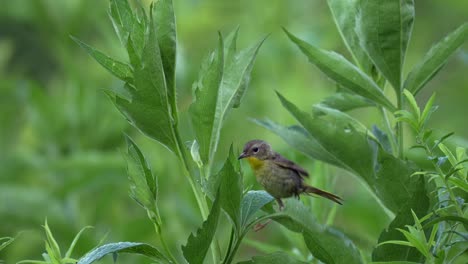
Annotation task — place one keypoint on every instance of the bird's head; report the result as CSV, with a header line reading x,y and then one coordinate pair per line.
x,y
257,149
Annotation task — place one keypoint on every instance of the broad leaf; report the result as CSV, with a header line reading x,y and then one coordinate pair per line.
x,y
229,183
146,100
273,258
343,72
203,110
143,184
300,139
344,14
419,203
122,18
251,203
216,98
117,68
357,151
327,244
384,27
149,108
197,245
167,38
123,247
435,59
346,101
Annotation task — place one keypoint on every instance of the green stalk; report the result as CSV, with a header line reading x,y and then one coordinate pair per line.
x,y
202,205
158,230
229,248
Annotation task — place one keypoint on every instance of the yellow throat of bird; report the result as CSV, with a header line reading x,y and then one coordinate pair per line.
x,y
255,163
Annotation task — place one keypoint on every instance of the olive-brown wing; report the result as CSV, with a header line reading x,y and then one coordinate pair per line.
x,y
285,163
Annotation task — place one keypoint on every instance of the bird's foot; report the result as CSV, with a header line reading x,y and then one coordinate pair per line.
x,y
260,226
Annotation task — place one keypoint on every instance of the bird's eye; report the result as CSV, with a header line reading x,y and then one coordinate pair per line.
x,y
255,149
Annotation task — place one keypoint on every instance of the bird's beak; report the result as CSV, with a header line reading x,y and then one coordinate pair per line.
x,y
242,155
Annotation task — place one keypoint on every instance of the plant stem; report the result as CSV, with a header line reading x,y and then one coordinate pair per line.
x,y
158,230
236,247
228,251
202,205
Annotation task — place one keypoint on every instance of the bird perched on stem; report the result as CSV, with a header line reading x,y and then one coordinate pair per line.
x,y
280,177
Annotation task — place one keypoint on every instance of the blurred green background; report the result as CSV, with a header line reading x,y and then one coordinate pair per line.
x,y
61,138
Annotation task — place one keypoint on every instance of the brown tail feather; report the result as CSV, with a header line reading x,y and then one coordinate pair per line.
x,y
309,190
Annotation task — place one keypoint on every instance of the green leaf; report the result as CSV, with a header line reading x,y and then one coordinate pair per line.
x,y
456,250
327,244
343,72
300,139
382,137
435,59
143,184
332,128
122,18
197,245
414,106
251,203
123,247
446,218
428,109
203,109
216,98
419,203
149,108
343,137
75,240
463,185
167,38
52,247
344,15
5,241
118,69
394,262
273,258
384,27
346,101
230,188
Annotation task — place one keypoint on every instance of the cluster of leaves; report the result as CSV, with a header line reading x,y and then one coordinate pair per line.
x,y
53,254
376,34
149,92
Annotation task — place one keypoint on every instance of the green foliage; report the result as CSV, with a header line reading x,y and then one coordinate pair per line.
x,y
149,94
223,79
197,245
6,241
435,59
53,254
123,247
326,244
384,28
343,72
273,258
425,207
378,47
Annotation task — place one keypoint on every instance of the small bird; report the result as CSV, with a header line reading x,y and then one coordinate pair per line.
x,y
280,177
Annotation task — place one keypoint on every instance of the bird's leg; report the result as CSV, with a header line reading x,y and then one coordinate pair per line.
x,y
280,204
260,226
